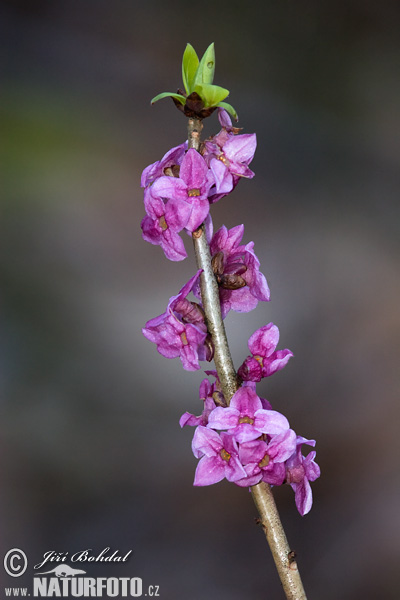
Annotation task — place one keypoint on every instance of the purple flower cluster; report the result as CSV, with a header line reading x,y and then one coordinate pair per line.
x,y
179,188
181,330
237,270
246,441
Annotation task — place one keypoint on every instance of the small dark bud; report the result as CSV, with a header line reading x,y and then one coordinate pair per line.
x,y
235,269
194,103
217,263
194,314
231,282
209,348
199,309
194,106
219,399
172,171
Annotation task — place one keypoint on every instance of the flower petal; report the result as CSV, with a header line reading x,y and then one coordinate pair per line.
x,y
234,469
205,442
270,422
172,188
276,362
274,475
199,209
246,401
193,169
303,496
223,418
189,419
282,446
209,471
264,341
241,148
222,176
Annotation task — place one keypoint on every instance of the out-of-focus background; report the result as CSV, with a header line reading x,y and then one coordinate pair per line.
x,y
92,453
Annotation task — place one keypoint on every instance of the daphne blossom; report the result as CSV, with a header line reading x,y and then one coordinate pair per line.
x,y
300,471
237,270
245,418
189,191
180,330
265,359
218,455
209,393
266,460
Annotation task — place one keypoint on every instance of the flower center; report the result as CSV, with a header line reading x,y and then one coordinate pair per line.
x,y
225,455
184,339
193,192
264,462
224,160
246,419
259,359
162,222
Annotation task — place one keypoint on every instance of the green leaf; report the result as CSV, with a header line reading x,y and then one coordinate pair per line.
x,y
211,94
205,70
229,109
179,97
190,63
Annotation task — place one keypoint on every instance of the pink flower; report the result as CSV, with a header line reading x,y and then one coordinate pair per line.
x,y
162,224
235,152
237,269
265,360
181,330
300,471
208,392
228,156
170,160
219,457
264,460
245,418
189,191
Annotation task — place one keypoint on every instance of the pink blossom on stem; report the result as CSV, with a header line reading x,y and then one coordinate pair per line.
x,y
245,418
181,330
172,158
235,151
189,191
206,392
265,360
219,457
265,460
162,224
226,122
237,270
300,471
228,156
264,402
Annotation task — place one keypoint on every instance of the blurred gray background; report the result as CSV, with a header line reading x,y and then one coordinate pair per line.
x,y
92,455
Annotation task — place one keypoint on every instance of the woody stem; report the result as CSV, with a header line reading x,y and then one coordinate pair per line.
x,y
262,495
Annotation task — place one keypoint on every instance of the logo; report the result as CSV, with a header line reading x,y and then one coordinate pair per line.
x,y
65,581
15,562
63,571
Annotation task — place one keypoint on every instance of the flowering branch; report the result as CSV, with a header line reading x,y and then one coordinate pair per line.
x,y
210,291
238,436
269,517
